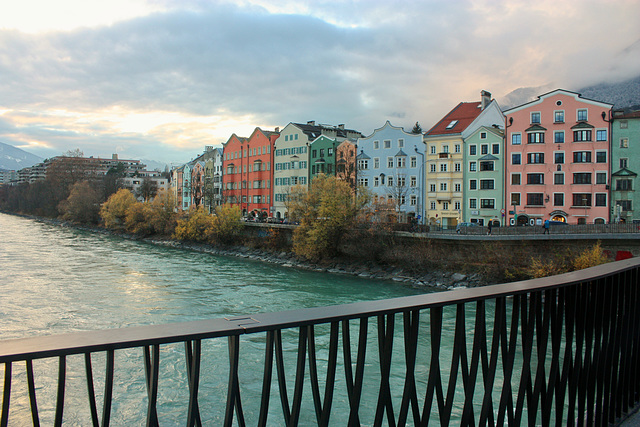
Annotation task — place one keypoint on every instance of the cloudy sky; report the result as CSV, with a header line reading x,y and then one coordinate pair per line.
x,y
160,79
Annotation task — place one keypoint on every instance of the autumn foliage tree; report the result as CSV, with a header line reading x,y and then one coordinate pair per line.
x,y
83,204
114,210
326,211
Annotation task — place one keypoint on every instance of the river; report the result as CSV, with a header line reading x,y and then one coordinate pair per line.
x,y
56,280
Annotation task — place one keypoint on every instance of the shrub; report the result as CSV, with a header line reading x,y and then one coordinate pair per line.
x,y
590,257
227,224
196,225
114,210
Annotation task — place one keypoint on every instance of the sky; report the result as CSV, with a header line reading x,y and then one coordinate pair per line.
x,y
161,79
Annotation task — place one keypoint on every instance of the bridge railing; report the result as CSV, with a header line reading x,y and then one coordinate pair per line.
x,y
556,350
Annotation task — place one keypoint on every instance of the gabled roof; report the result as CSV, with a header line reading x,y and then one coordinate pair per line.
x,y
313,131
582,125
401,154
624,172
535,128
456,120
575,95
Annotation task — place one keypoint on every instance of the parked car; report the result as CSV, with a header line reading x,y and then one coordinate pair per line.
x,y
461,227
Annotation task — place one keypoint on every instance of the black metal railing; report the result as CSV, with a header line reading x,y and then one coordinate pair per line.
x,y
557,350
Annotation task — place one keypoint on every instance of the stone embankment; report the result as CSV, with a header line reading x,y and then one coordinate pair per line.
x,y
438,279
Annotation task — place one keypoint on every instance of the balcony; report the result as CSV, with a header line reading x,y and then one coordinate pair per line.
x,y
559,350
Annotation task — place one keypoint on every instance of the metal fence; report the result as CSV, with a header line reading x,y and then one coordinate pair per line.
x,y
558,350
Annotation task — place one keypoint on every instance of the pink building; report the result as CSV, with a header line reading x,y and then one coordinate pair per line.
x,y
557,160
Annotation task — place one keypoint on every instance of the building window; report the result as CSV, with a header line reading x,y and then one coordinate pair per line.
x,y
601,199
601,135
582,115
484,149
413,182
535,178
413,200
483,135
400,162
624,163
433,149
457,148
558,179
456,206
432,205
376,145
473,203
432,167
363,164
535,158
457,167
558,137
389,181
401,144
376,181
535,118
582,178
581,135
535,138
625,205
457,187
601,177
581,199
624,142
363,182
376,162
624,184
487,184
516,158
390,162
624,124
472,150
495,149
558,117
535,199
515,199
582,157
387,143
486,166
414,162
443,167
601,157
472,166
487,204
558,158
445,148
558,199
473,184
443,186
516,139
515,179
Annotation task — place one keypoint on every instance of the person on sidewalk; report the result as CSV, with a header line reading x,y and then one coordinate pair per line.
x,y
546,226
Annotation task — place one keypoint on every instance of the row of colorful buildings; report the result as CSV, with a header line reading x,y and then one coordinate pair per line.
x,y
560,157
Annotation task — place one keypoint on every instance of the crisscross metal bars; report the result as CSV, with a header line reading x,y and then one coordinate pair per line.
x,y
557,350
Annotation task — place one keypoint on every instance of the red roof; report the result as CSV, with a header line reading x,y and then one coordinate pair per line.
x,y
464,113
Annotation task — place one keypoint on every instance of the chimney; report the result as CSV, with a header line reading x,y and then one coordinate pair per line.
x,y
485,99
277,129
311,122
341,126
114,157
208,148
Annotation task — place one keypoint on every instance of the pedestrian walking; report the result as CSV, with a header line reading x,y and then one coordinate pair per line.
x,y
490,225
546,226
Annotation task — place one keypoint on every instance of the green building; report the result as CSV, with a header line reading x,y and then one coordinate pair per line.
x,y
483,191
322,156
625,166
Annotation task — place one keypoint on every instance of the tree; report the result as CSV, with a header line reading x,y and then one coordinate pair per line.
x,y
416,128
325,211
112,181
227,223
398,192
147,189
82,205
163,216
114,210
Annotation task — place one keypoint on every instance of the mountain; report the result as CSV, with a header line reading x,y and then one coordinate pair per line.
x,y
12,158
622,95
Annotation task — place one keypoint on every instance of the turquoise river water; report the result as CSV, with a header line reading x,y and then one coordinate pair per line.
x,y
58,280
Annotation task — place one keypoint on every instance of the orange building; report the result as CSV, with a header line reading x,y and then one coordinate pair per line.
x,y
247,178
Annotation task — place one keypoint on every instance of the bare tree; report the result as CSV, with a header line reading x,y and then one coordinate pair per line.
x,y
147,189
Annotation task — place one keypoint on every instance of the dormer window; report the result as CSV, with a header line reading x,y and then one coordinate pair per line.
x,y
452,124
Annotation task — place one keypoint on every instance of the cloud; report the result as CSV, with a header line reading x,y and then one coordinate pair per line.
x,y
183,75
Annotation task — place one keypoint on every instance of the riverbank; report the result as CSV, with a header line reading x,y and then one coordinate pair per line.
x,y
444,280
